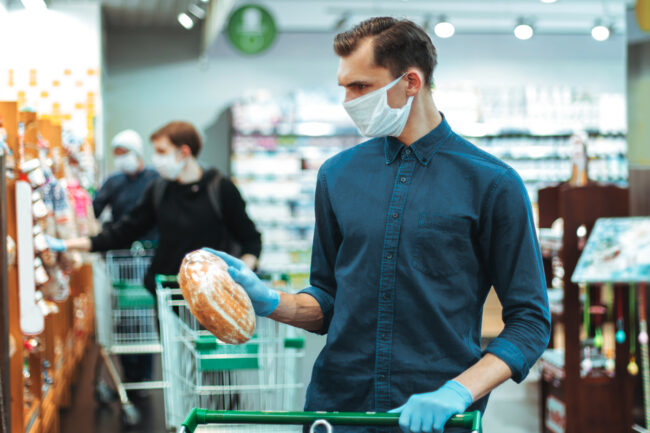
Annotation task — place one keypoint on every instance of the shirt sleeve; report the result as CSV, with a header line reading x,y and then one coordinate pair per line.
x,y
511,250
327,240
129,228
237,220
103,197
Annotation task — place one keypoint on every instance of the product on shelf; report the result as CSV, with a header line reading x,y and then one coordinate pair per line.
x,y
11,251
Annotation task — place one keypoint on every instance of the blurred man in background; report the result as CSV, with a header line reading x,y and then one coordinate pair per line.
x,y
123,189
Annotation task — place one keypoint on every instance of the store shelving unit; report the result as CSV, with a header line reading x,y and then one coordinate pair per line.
x,y
277,176
49,360
545,160
575,400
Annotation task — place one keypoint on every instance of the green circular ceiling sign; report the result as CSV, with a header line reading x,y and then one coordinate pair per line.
x,y
251,29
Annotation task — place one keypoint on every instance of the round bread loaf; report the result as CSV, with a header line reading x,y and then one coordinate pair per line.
x,y
220,305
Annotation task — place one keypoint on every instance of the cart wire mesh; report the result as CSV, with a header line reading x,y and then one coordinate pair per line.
x,y
126,313
201,371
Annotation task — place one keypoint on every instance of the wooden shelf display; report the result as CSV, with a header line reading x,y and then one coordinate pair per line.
x,y
40,285
585,383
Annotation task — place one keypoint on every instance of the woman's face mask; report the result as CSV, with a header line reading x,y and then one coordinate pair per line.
x,y
168,165
374,117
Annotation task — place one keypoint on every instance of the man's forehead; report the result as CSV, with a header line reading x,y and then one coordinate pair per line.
x,y
359,66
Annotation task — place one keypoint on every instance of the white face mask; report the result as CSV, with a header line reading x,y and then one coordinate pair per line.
x,y
127,163
168,166
374,117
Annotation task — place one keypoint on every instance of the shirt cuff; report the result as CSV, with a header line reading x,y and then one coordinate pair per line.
x,y
326,302
511,355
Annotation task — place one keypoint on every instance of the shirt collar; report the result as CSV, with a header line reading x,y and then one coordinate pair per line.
x,y
424,148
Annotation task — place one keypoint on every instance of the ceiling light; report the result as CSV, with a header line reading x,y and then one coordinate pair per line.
x,y
185,20
34,5
197,11
600,32
205,1
444,29
523,30
549,1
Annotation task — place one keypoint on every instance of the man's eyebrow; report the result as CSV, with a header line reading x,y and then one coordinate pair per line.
x,y
354,83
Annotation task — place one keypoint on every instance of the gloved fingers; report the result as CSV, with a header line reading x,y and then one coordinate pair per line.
x,y
237,275
416,423
439,424
427,422
405,421
397,409
55,244
230,260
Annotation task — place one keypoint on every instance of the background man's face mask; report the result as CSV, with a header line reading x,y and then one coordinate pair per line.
x,y
168,166
374,117
127,163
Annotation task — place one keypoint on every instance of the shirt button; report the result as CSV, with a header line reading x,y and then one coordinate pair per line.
x,y
403,180
386,296
395,215
384,336
389,256
382,377
408,151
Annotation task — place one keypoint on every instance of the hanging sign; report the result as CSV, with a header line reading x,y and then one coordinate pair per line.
x,y
251,29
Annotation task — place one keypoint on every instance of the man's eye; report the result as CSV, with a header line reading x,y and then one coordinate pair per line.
x,y
361,86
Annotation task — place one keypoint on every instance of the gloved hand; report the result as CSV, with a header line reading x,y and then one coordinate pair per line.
x,y
430,411
54,244
265,300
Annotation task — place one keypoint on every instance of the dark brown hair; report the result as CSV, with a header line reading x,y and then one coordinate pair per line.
x,y
398,45
180,133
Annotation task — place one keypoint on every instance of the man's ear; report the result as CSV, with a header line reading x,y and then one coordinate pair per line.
x,y
185,150
415,82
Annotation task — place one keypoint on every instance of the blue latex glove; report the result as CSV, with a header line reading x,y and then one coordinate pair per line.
x,y
265,300
430,411
54,244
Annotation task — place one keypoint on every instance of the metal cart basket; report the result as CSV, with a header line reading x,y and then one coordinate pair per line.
x,y
201,420
201,371
126,323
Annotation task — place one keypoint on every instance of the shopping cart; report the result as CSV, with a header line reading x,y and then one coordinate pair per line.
x,y
126,325
201,420
201,371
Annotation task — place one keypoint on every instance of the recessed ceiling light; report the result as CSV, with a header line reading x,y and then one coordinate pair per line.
x,y
444,29
524,31
185,20
600,32
549,1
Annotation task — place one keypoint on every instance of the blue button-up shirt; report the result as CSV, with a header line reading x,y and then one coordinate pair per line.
x,y
408,242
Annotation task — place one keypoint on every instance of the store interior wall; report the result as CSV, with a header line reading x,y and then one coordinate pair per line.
x,y
152,77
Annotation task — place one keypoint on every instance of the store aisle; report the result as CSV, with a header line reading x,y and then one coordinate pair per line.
x,y
85,415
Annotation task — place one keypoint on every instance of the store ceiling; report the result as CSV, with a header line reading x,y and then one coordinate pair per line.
x,y
468,16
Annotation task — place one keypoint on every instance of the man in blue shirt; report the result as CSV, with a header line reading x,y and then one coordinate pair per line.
x,y
123,189
413,227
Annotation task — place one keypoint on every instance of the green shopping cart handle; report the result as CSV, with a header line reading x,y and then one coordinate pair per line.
x,y
470,420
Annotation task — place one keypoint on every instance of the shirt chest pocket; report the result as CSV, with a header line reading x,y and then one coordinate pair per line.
x,y
441,243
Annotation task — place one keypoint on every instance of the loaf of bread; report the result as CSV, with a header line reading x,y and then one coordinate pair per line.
x,y
219,304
